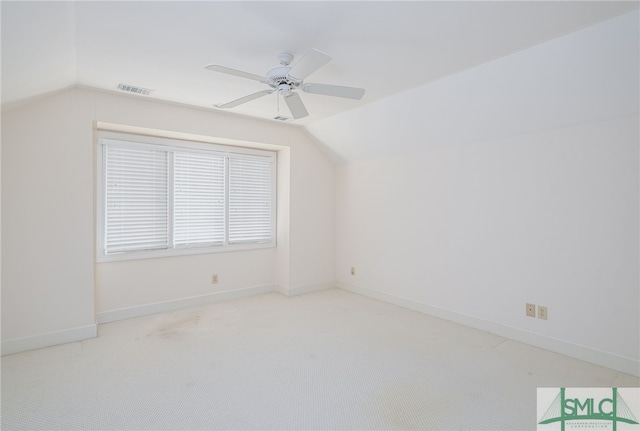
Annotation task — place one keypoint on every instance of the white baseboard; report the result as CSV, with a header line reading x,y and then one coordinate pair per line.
x,y
598,357
301,290
176,304
49,339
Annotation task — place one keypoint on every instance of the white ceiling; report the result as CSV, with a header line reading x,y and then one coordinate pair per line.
x,y
385,47
589,76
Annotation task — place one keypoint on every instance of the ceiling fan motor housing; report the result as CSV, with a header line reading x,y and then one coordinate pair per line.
x,y
279,76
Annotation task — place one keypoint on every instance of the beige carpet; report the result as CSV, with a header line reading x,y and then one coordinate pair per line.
x,y
327,360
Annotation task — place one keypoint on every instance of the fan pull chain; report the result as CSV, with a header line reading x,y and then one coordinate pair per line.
x,y
278,102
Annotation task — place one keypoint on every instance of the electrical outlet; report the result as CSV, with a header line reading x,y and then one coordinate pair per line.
x,y
542,312
214,279
353,270
531,310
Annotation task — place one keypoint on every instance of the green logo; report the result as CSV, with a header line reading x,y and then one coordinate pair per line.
x,y
583,407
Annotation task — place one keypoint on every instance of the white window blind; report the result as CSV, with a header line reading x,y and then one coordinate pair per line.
x,y
163,197
250,199
136,211
199,199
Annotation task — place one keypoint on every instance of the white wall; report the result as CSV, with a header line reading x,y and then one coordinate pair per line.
x,y
47,218
48,192
509,183
481,229
312,253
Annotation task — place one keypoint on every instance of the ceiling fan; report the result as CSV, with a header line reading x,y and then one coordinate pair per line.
x,y
285,79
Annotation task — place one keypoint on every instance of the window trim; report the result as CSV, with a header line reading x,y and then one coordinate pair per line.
x,y
147,141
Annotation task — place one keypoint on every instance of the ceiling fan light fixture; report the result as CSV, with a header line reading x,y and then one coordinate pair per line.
x,y
284,89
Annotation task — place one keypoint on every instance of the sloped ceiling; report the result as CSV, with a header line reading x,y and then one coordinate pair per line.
x,y
393,49
587,76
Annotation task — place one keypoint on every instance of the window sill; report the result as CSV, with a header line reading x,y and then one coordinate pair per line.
x,y
153,254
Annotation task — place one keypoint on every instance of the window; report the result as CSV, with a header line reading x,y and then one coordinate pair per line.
x,y
162,197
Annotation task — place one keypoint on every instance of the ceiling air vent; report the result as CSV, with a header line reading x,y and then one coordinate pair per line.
x,y
281,118
134,89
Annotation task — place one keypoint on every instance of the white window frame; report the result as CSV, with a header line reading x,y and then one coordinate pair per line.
x,y
166,144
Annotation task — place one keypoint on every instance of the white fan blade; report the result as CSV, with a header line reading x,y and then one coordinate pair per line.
x,y
234,72
244,99
334,90
309,63
296,107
